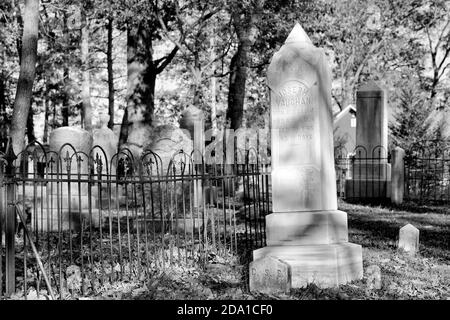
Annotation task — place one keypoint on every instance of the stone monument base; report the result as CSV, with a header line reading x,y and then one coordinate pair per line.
x,y
306,227
326,265
367,188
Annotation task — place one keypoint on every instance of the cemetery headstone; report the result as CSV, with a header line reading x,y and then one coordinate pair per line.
x,y
305,229
71,205
373,273
270,275
409,239
166,140
398,175
371,172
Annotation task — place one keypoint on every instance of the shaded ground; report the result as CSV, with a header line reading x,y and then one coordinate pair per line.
x,y
426,276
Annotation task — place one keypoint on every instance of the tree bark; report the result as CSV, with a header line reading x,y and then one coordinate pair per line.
x,y
85,86
123,135
65,93
2,95
24,91
141,74
244,24
30,125
3,119
46,116
110,75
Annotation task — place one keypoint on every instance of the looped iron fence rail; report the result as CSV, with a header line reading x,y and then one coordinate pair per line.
x,y
86,219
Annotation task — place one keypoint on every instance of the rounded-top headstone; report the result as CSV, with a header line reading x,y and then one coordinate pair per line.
x,y
166,141
79,138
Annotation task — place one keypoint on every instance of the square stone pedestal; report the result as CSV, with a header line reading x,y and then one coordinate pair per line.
x,y
306,227
326,265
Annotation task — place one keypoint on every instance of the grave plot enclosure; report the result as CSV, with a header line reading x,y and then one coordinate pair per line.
x,y
66,215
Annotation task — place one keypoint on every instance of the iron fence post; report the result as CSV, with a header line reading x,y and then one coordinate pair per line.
x,y
10,221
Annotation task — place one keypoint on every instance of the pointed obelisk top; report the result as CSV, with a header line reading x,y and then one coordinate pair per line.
x,y
298,35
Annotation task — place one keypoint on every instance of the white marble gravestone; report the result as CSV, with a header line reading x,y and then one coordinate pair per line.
x,y
373,273
67,201
305,229
409,239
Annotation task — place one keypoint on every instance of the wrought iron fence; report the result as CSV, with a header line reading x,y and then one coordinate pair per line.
x,y
72,221
427,174
362,174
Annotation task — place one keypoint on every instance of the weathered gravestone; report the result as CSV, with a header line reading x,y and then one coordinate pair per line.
x,y
398,175
371,172
373,273
409,239
270,275
67,200
305,229
166,140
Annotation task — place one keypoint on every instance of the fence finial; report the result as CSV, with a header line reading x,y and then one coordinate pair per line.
x,y
10,156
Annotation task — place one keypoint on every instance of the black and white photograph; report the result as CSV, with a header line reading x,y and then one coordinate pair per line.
x,y
227,157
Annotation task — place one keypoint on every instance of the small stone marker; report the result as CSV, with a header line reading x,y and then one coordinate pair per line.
x,y
373,273
409,239
270,275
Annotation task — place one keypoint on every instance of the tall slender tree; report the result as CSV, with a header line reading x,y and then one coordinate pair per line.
x,y
24,91
86,83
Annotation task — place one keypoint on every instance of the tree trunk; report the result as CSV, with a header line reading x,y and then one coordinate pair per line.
x,y
3,118
30,125
110,75
24,91
236,93
2,96
85,86
123,135
46,115
65,93
140,83
238,68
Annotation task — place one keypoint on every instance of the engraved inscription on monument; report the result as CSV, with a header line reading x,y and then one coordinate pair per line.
x,y
292,107
294,124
